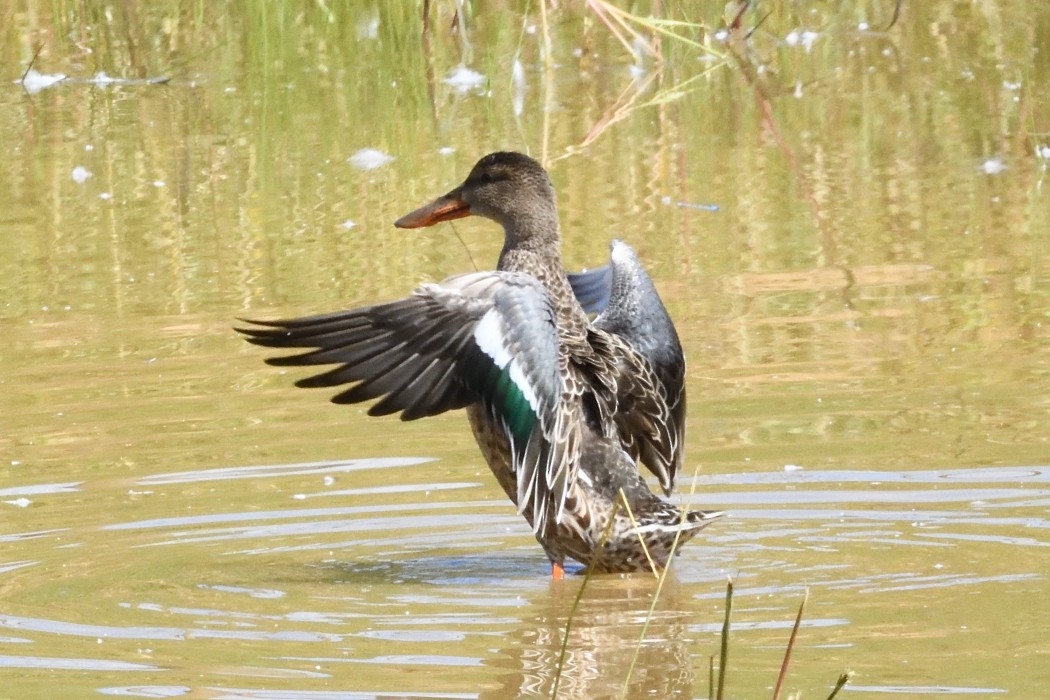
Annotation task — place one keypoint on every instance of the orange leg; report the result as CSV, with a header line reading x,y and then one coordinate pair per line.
x,y
557,571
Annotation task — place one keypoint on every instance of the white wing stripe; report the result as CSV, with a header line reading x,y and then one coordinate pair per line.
x,y
488,334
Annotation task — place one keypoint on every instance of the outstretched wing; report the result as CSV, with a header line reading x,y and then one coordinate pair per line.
x,y
487,337
649,364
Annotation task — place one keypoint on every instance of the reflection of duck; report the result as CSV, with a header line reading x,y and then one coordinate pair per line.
x,y
604,635
561,407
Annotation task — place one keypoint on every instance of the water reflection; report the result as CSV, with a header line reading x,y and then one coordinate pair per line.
x,y
615,644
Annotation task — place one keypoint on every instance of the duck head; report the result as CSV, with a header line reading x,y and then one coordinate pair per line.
x,y
510,188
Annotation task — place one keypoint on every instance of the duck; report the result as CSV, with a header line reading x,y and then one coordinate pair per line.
x,y
569,380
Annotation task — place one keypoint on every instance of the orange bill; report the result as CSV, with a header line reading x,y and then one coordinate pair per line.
x,y
444,208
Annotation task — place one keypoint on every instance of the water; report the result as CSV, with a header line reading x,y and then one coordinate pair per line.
x,y
850,230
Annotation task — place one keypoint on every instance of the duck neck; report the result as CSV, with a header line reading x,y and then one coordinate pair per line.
x,y
538,255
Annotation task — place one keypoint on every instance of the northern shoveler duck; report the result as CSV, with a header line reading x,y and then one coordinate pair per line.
x,y
562,407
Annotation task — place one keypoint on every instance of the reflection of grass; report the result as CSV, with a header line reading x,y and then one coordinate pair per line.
x,y
716,683
563,654
661,581
630,30
622,24
661,576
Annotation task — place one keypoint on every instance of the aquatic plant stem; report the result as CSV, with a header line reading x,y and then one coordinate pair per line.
x,y
725,642
843,680
545,28
896,14
548,84
790,647
36,54
512,85
641,540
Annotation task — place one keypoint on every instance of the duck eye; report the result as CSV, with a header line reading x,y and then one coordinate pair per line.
x,y
487,176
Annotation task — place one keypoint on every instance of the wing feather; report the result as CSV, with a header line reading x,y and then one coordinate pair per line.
x,y
487,338
641,352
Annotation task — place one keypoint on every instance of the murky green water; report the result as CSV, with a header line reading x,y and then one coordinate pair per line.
x,y
866,316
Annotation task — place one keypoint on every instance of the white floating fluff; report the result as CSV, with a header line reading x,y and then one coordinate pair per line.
x,y
369,159
35,81
993,166
463,79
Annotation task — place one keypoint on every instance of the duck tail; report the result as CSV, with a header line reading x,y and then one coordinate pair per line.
x,y
699,519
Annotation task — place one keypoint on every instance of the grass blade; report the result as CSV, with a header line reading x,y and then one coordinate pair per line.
x,y
790,647
843,680
641,540
725,642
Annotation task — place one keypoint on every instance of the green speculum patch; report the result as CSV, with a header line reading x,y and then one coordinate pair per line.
x,y
511,403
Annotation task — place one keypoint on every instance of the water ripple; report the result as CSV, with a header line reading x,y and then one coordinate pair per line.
x,y
38,489
54,663
281,470
1033,474
147,691
300,513
255,694
74,629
